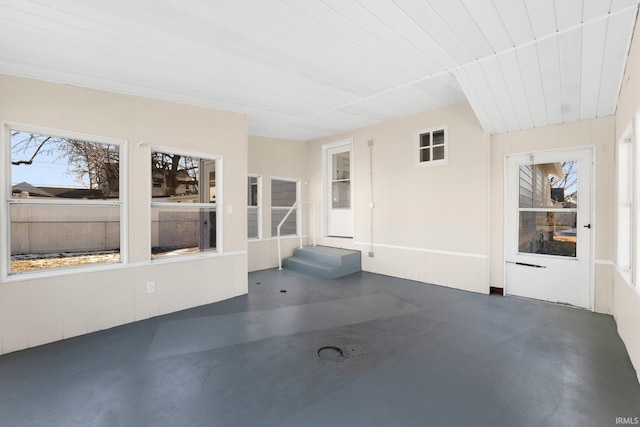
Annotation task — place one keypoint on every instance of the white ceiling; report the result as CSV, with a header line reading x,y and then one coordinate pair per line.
x,y
303,69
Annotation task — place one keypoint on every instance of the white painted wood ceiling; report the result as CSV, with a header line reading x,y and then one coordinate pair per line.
x,y
302,69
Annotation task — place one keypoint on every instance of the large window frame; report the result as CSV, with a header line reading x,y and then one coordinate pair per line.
x,y
628,180
10,201
282,210
625,201
183,204
254,206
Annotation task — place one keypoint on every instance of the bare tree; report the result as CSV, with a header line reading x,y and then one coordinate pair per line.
x,y
175,170
94,164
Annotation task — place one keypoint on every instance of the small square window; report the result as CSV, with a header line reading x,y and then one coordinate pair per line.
x,y
431,146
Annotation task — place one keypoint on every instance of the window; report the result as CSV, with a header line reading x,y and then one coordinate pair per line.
x,y
625,200
284,193
431,146
341,180
254,207
183,204
65,204
548,208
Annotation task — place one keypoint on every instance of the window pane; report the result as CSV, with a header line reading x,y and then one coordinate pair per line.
x,y
438,152
176,231
425,155
341,167
283,193
288,228
549,185
425,139
438,137
176,178
550,233
54,236
45,166
341,194
252,225
252,188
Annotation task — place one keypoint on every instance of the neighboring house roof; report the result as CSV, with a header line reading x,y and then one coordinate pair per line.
x,y
73,193
25,187
57,192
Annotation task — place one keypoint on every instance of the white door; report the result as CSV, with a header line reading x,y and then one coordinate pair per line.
x,y
339,189
548,231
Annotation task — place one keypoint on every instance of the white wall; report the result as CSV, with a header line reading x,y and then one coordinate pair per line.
x,y
35,311
430,223
279,158
626,300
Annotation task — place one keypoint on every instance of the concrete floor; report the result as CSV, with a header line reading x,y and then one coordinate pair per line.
x,y
413,355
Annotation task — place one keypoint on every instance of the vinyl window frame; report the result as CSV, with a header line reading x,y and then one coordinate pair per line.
x,y
219,250
257,208
8,200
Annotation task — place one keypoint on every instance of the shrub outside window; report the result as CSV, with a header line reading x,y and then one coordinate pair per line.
x,y
65,204
183,204
431,146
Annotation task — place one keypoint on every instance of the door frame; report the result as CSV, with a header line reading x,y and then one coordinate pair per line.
x,y
591,152
325,185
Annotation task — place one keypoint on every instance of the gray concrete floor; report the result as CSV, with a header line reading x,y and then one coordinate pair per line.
x,y
413,355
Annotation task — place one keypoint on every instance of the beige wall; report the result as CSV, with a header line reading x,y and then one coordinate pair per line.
x,y
35,311
591,133
280,158
429,223
626,298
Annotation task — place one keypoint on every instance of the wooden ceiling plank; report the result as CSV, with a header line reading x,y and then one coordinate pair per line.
x,y
512,75
530,71
515,18
463,26
542,15
489,22
568,13
619,35
474,100
549,60
594,38
494,75
571,73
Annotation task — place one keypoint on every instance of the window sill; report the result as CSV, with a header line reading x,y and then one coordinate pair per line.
x,y
626,276
431,163
62,271
265,239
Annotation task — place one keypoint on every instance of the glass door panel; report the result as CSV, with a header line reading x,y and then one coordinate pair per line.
x,y
548,208
341,180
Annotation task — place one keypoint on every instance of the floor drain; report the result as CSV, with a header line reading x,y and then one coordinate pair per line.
x,y
330,352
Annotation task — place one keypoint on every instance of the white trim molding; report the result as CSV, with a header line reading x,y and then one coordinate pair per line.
x,y
426,250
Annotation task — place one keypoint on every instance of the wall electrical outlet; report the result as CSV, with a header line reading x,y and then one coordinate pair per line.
x,y
151,287
370,254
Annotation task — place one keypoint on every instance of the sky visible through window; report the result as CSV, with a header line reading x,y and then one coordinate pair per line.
x,y
49,167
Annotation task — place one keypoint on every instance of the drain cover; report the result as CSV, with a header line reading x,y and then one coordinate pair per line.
x,y
330,352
